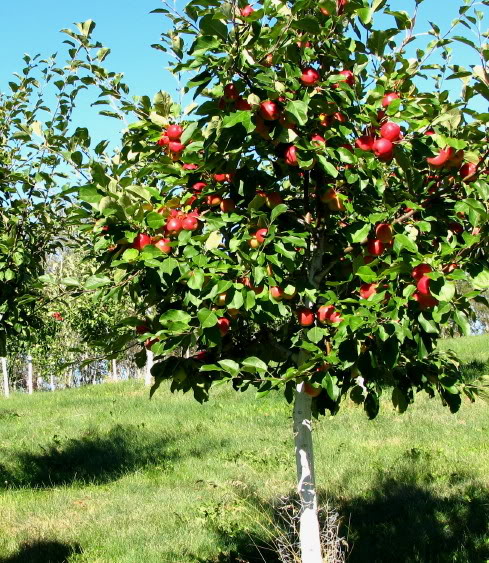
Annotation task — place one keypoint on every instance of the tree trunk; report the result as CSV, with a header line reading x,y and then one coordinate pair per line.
x,y
30,383
148,378
51,382
310,541
115,376
6,389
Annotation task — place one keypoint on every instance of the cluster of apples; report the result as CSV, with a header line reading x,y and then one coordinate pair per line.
x,y
384,237
171,139
326,314
449,158
423,294
57,316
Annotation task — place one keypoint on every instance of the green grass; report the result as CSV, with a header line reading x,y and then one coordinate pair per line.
x,y
101,474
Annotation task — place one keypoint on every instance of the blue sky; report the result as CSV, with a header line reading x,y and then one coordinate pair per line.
x,y
128,28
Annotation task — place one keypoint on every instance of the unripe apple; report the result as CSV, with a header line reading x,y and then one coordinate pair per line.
x,y
213,200
163,245
267,60
310,77
223,325
383,149
227,205
242,104
290,296
221,299
468,171
246,11
273,199
442,158
384,232
231,93
290,155
277,293
389,98
174,132
420,270
305,316
311,390
365,143
174,225
367,290
190,223
269,110
141,241
375,247
331,198
390,131
253,243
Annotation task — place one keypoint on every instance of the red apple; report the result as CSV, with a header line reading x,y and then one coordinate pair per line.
x,y
277,293
420,270
375,247
305,316
456,228
423,285
367,290
176,146
389,98
190,223
365,143
174,132
213,200
189,166
349,78
163,141
311,390
269,110
383,148
261,235
384,232
390,131
223,325
142,329
331,198
246,11
163,245
468,171
290,155
141,241
198,187
442,158
227,205
318,140
324,313
221,177
273,199
242,104
425,301
231,93
174,225
310,77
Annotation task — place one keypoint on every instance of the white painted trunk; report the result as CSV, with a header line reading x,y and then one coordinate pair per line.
x,y
6,389
30,382
52,383
115,375
148,378
310,541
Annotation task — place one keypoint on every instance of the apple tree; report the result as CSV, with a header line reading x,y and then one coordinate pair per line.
x,y
302,225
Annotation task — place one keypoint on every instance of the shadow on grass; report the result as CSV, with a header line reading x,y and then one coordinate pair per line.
x,y
403,518
95,457
474,369
43,552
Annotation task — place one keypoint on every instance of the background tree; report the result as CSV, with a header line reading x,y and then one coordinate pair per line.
x,y
303,227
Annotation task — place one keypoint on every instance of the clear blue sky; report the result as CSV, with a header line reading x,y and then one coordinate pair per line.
x,y
127,27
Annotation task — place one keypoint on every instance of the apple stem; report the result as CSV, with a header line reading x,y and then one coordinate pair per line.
x,y
6,390
310,540
149,364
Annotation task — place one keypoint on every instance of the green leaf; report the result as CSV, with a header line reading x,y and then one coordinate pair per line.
x,y
174,316
243,118
399,400
155,220
462,321
402,241
327,166
366,274
297,111
309,24
427,325
207,318
358,232
316,334
230,366
365,15
139,192
97,281
278,210
90,194
196,280
481,280
254,364
130,255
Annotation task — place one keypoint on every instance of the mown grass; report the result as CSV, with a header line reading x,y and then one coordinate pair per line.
x,y
102,474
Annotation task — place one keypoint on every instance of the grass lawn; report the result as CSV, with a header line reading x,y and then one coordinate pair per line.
x,y
102,474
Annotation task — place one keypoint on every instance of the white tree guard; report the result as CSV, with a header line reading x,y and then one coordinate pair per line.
x,y
310,540
148,378
6,388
